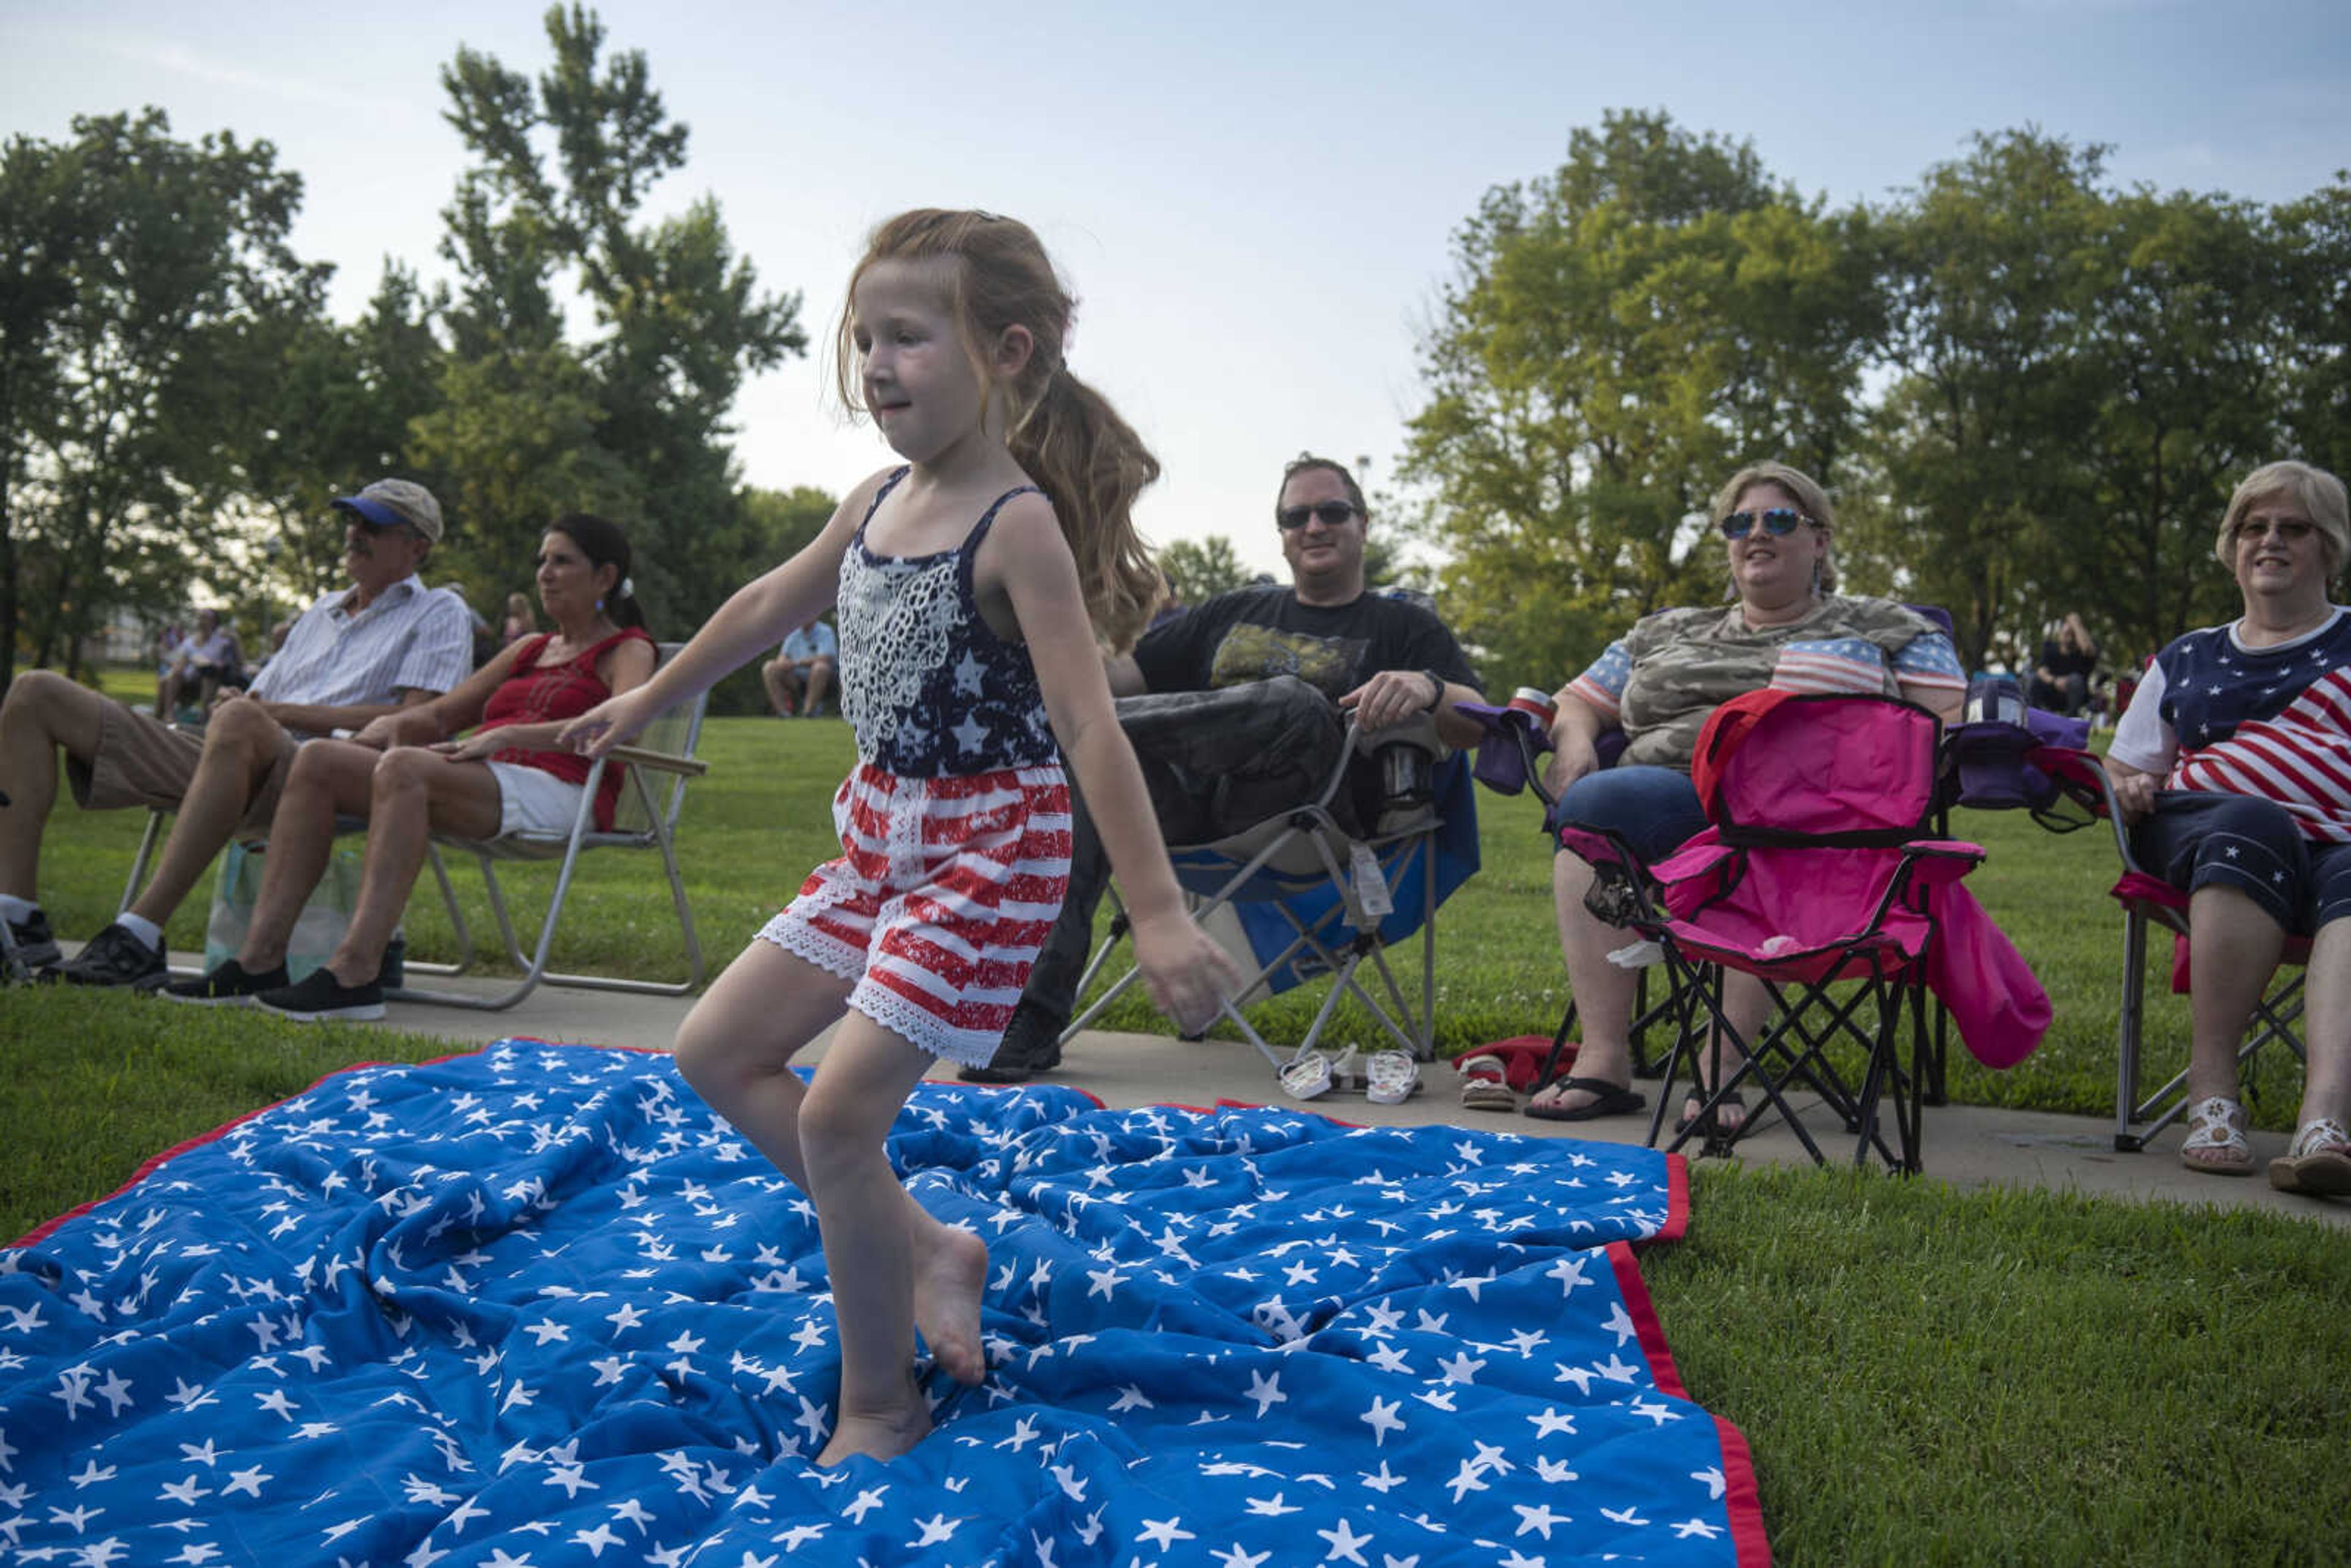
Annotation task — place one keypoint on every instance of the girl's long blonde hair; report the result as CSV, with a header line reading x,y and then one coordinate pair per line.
x,y
1088,461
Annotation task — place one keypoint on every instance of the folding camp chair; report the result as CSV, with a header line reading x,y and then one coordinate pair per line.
x,y
1821,870
2148,900
645,817
1313,898
1510,760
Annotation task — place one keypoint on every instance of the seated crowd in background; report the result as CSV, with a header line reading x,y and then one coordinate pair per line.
x,y
359,652
407,777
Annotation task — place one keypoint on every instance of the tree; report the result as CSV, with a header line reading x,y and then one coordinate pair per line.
x,y
2315,234
1619,338
1993,268
777,525
634,420
338,412
1198,571
156,281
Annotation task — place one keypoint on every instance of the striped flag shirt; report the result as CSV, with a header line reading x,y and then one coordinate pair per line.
x,y
2273,722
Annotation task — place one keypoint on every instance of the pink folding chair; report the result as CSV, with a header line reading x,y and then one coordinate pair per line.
x,y
1823,875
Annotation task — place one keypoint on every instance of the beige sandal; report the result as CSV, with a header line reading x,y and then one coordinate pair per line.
x,y
2317,1162
2216,1143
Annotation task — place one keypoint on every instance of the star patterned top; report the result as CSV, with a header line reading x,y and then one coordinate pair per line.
x,y
930,689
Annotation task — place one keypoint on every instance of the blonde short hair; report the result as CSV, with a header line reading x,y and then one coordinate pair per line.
x,y
2314,490
1810,499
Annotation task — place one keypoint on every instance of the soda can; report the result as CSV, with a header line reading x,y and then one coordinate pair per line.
x,y
1536,703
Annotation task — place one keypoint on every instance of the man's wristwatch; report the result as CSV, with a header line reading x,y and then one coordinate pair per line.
x,y
1436,692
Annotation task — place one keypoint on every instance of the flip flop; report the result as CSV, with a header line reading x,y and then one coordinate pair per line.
x,y
1704,1121
1392,1078
1307,1076
1611,1099
1485,1084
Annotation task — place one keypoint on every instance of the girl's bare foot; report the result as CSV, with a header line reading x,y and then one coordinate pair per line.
x,y
879,1434
950,1274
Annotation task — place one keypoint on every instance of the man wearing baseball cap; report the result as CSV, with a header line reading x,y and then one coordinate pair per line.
x,y
383,644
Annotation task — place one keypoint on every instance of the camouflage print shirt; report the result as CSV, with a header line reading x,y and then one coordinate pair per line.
x,y
1662,678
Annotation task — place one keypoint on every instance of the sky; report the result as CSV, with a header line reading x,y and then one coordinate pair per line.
x,y
1254,202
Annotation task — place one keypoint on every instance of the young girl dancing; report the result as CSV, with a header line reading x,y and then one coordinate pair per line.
x,y
968,611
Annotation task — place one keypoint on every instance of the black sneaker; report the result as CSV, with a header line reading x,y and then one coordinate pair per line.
x,y
1031,1044
320,996
36,944
116,958
227,983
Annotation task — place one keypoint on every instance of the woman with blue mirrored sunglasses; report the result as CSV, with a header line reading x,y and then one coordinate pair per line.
x,y
1784,624
1776,520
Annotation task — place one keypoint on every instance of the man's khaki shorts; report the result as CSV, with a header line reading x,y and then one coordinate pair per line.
x,y
141,762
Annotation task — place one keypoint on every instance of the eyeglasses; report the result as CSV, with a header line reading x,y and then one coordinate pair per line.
x,y
1778,521
2288,530
1329,514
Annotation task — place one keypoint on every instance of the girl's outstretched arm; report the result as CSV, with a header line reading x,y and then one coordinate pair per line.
x,y
755,616
1186,972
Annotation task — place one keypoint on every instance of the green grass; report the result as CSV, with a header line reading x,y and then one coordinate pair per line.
x,y
756,826
1923,1375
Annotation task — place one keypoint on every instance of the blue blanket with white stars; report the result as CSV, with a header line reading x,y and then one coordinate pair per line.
x,y
537,1306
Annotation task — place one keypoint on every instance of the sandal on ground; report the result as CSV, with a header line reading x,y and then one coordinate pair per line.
x,y
1711,1122
1485,1084
1608,1099
1307,1075
2318,1161
1391,1078
2216,1143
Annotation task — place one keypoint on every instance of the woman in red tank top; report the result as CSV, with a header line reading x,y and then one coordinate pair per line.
x,y
404,774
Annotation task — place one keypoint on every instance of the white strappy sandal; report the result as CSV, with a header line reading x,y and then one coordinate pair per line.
x,y
2317,1162
2216,1143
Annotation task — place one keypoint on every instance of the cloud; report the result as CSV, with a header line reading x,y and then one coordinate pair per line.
x,y
180,60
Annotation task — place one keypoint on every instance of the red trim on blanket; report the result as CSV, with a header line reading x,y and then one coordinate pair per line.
x,y
1742,1499
40,1232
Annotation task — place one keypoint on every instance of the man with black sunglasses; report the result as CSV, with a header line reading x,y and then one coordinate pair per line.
x,y
383,644
1385,658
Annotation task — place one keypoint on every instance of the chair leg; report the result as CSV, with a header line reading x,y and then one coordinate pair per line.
x,y
2127,1032
534,966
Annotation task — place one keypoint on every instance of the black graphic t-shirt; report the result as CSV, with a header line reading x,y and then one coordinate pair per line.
x,y
1258,633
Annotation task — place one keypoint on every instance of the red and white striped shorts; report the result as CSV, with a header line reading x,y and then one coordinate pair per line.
x,y
943,894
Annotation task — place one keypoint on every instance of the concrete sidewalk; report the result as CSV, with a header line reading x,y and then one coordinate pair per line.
x,y
1967,1146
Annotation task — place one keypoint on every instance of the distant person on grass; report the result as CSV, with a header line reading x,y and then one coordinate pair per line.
x,y
969,609
385,643
1387,660
406,775
802,670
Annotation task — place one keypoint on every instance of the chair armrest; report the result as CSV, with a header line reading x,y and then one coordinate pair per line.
x,y
660,761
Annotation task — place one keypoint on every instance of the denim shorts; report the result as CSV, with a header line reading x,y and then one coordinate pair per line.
x,y
1654,809
2194,840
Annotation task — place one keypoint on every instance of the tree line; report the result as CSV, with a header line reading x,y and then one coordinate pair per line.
x,y
2030,391
176,403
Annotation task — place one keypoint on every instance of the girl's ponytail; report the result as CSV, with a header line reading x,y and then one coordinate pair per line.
x,y
1092,464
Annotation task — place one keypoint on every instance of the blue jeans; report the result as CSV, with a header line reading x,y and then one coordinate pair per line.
x,y
1654,809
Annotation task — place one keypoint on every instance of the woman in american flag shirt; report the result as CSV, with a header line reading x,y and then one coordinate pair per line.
x,y
1787,627
2234,763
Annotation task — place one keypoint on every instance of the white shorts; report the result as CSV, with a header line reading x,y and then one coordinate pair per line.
x,y
533,800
